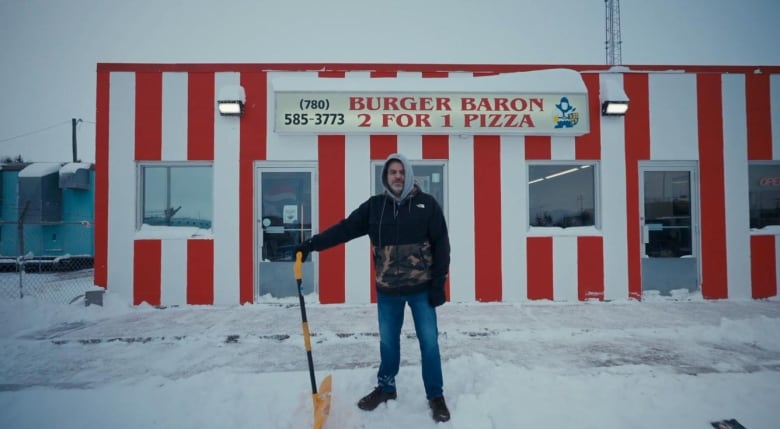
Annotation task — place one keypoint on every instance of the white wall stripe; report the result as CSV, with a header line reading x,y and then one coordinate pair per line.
x,y
735,173
410,145
565,280
357,260
774,97
121,184
360,75
777,264
287,147
461,218
514,219
673,114
409,75
174,116
225,223
613,206
562,148
174,272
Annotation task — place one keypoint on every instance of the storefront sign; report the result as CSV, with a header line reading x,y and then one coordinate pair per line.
x,y
341,112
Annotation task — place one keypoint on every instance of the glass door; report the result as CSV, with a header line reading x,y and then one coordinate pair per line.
x,y
284,219
669,221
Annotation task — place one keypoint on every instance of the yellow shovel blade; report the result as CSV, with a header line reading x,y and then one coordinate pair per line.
x,y
322,403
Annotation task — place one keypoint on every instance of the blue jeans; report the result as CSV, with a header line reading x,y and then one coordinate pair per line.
x,y
390,310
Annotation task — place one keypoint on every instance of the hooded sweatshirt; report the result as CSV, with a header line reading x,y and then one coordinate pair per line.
x,y
408,234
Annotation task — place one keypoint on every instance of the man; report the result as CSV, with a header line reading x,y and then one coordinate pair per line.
x,y
411,251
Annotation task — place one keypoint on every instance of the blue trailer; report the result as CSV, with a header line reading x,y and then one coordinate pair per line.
x,y
47,215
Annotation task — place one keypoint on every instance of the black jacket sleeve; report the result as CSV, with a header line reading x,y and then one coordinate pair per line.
x,y
355,225
440,242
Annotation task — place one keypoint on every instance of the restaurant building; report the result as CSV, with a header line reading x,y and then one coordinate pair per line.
x,y
560,183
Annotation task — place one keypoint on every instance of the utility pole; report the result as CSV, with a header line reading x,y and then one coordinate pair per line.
x,y
613,42
75,122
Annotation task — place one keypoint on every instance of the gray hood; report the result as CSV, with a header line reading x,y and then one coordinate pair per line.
x,y
408,177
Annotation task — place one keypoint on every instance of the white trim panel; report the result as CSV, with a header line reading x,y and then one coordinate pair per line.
x,y
514,219
225,224
357,252
673,117
121,183
613,206
564,265
735,175
461,214
174,116
173,282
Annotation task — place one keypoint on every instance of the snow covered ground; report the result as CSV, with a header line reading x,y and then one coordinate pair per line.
x,y
665,362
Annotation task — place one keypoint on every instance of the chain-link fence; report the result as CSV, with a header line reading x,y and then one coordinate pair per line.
x,y
57,263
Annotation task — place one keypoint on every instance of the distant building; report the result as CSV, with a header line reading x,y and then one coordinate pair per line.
x,y
47,214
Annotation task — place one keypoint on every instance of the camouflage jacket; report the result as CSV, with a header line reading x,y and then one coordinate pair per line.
x,y
409,239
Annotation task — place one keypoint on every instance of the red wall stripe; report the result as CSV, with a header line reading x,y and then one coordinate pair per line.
x,y
148,116
435,146
254,122
201,105
383,145
200,272
590,268
383,73
713,204
538,147
487,218
332,73
331,151
101,179
147,268
763,266
759,117
435,74
539,260
637,129
253,147
588,146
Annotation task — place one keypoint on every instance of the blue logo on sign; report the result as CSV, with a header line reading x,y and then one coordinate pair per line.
x,y
568,116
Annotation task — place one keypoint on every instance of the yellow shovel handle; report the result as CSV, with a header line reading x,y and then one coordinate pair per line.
x,y
298,265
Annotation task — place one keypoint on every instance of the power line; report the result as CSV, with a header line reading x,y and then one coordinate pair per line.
x,y
39,130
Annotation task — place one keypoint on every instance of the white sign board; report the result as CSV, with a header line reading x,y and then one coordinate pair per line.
x,y
342,112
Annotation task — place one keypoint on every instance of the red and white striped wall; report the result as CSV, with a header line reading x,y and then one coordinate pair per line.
x,y
719,117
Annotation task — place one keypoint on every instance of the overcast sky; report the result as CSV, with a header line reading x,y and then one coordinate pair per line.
x,y
50,48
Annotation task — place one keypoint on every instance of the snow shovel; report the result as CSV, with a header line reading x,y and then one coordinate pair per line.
x,y
321,399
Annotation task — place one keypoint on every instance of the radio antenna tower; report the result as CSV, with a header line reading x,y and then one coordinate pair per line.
x,y
613,42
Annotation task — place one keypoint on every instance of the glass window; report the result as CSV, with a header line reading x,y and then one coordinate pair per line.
x,y
177,195
764,191
562,194
428,175
286,213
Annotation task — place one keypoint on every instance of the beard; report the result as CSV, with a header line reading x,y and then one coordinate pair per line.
x,y
397,187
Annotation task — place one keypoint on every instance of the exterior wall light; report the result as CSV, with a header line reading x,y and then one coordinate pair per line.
x,y
614,101
614,108
231,100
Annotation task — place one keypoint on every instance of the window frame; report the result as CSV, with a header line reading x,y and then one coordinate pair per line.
x,y
596,228
767,229
140,191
